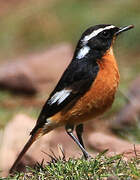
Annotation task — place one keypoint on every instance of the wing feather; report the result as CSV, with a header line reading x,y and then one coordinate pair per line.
x,y
75,81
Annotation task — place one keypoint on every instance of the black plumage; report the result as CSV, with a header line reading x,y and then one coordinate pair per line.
x,y
78,77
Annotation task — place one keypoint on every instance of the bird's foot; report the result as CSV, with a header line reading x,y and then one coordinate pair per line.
x,y
87,156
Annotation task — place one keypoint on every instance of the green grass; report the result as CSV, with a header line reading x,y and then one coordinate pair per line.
x,y
34,26
101,167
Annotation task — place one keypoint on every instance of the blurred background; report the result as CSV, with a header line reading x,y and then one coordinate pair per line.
x,y
37,39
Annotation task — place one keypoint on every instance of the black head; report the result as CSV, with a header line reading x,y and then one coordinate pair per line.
x,y
96,40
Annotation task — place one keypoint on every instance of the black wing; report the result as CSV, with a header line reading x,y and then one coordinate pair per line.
x,y
77,78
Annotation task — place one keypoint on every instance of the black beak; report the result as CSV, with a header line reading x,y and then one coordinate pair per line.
x,y
122,29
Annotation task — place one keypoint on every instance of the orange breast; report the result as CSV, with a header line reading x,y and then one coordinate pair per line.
x,y
100,96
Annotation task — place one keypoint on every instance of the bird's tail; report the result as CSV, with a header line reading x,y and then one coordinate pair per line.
x,y
32,139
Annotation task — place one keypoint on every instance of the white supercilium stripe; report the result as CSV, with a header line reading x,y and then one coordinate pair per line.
x,y
60,96
95,33
83,52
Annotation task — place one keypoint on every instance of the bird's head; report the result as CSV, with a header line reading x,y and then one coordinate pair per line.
x,y
96,40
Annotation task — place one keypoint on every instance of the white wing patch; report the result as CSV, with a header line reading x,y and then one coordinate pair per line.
x,y
95,33
60,96
83,51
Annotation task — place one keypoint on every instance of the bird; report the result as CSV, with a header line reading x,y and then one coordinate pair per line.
x,y
85,90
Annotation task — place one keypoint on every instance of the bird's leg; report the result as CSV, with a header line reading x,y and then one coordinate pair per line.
x,y
79,132
69,130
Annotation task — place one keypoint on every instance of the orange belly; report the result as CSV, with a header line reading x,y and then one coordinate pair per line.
x,y
98,99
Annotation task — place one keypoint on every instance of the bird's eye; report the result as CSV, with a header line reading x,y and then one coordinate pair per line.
x,y
105,34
